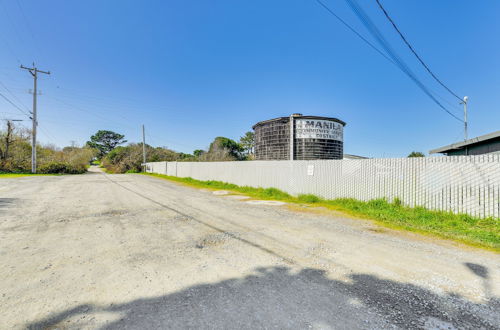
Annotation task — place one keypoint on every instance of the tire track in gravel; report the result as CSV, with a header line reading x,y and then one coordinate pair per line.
x,y
288,253
356,244
215,228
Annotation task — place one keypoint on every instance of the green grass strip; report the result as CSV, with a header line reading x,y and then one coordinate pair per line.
x,y
18,175
463,228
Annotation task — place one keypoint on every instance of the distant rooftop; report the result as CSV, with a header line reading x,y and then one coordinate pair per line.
x,y
347,156
488,142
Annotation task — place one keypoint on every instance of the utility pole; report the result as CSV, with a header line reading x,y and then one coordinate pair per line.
x,y
143,147
464,102
34,72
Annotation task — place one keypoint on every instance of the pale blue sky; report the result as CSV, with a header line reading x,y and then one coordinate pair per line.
x,y
194,70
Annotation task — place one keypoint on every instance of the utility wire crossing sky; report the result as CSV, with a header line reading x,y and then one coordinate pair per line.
x,y
191,71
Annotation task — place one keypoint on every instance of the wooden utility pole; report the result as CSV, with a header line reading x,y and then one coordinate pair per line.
x,y
34,72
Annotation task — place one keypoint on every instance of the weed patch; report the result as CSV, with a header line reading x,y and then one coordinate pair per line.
x,y
18,175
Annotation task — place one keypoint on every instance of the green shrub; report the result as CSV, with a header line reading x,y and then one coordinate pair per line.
x,y
309,198
61,168
123,159
273,193
397,201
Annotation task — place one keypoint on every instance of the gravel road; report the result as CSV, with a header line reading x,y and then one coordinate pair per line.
x,y
136,252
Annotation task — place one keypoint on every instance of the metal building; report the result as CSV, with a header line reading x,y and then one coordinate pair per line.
x,y
309,137
489,143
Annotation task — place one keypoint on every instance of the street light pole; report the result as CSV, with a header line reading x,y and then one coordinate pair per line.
x,y
464,102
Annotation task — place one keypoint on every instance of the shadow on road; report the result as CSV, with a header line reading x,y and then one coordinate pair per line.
x,y
5,202
277,297
483,273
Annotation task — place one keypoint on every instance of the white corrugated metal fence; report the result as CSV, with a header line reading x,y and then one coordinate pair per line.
x,y
462,184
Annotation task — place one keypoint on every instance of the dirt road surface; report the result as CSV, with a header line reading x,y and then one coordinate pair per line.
x,y
136,252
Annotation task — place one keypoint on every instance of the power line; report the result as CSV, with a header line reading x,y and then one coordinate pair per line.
x,y
122,124
156,139
30,30
395,60
77,108
9,47
12,23
414,52
26,20
9,113
15,105
112,103
14,96
370,26
352,30
453,105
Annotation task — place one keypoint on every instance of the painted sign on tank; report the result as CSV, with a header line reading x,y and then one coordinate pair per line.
x,y
318,129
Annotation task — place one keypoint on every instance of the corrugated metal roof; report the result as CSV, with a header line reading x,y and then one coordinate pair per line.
x,y
460,145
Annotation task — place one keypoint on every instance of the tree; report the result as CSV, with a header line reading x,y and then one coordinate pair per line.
x,y
15,154
4,154
233,148
105,141
198,152
223,149
416,154
247,141
129,158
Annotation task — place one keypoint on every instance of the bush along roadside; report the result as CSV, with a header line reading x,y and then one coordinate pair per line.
x,y
463,228
62,168
50,168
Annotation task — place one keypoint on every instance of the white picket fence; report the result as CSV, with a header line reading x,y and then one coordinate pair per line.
x,y
462,184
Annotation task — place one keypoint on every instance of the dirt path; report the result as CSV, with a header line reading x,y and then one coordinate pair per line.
x,y
130,251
